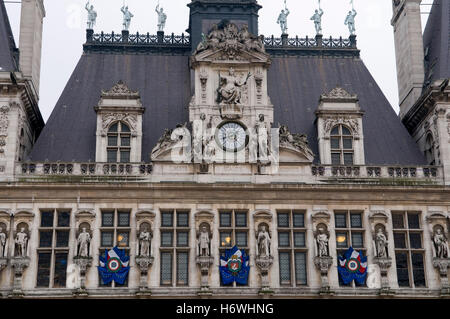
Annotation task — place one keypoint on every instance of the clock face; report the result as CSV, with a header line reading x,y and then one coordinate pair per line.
x,y
231,136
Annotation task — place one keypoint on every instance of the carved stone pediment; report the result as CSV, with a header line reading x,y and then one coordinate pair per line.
x,y
170,139
204,215
85,214
145,214
294,144
23,214
263,215
338,94
120,90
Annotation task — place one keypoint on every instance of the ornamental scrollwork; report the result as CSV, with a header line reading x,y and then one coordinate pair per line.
x,y
331,122
128,118
120,89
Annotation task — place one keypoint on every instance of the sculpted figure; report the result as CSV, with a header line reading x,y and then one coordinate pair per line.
x,y
203,242
229,91
440,244
263,242
210,148
162,17
144,242
350,21
263,140
92,16
322,242
83,243
317,18
381,243
282,20
21,242
127,15
2,242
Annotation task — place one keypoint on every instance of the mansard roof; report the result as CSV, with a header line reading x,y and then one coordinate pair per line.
x,y
436,42
8,50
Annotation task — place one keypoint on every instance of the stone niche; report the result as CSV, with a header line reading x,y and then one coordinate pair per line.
x,y
145,221
204,221
264,255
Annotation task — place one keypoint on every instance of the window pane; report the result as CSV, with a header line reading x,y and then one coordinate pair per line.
x,y
60,270
225,219
62,238
299,239
167,219
43,274
345,131
124,219
166,268
108,219
124,156
397,221
47,219
124,127
402,269
107,239
64,219
167,239
341,239
283,240
335,130
183,219
348,143
182,239
45,238
112,156
357,240
113,128
283,220
336,158
300,268
241,239
356,220
335,143
241,219
418,271
112,140
122,239
399,240
341,220
182,268
299,220
413,221
285,268
125,141
348,158
415,240
225,239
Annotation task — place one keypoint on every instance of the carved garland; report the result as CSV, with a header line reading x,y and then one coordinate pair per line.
x,y
109,118
331,122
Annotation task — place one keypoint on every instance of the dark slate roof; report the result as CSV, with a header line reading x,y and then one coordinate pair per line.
x,y
7,45
436,42
295,85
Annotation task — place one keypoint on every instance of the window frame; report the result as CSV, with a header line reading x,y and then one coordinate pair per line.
x,y
342,150
118,148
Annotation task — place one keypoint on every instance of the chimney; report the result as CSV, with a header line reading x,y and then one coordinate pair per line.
x,y
409,52
30,41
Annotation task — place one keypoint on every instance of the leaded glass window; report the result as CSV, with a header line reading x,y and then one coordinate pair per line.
x,y
341,142
119,146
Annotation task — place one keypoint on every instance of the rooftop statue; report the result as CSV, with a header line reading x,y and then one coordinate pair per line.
x,y
350,20
127,15
162,17
92,16
317,18
282,19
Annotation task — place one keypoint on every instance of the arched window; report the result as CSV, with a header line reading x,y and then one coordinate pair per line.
x,y
341,139
429,150
119,147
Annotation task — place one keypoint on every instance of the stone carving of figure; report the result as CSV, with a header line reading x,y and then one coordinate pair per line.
x,y
92,16
263,242
21,241
322,243
203,242
84,238
299,141
162,17
263,139
210,148
350,21
144,242
317,18
440,244
127,15
229,91
282,20
381,243
2,243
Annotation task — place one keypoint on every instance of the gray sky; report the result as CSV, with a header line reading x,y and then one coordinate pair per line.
x,y
65,23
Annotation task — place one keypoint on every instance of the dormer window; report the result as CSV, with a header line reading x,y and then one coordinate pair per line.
x,y
119,146
341,139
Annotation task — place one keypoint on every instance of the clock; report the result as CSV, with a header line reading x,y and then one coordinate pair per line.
x,y
231,136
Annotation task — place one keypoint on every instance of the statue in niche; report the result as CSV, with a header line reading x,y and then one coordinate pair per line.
x,y
263,242
84,239
203,241
263,137
440,244
127,15
144,242
162,17
229,91
350,21
381,243
21,242
322,242
92,16
2,242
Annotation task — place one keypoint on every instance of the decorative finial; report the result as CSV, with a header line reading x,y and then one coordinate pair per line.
x,y
92,16
350,20
282,19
